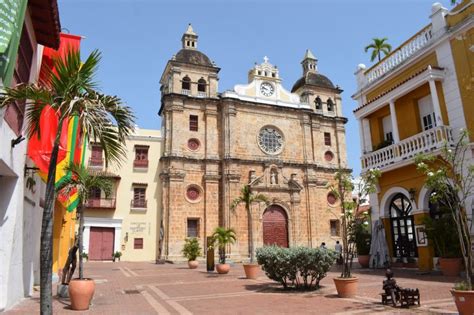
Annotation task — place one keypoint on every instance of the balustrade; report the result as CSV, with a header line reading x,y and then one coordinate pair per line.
x,y
423,142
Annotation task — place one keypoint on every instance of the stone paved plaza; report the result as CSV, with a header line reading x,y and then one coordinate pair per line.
x,y
146,288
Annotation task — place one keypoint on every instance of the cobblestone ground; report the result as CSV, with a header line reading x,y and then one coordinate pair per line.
x,y
146,288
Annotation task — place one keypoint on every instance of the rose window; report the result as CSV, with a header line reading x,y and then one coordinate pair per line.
x,y
270,140
193,193
193,144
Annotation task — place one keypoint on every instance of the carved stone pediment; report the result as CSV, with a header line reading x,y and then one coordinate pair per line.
x,y
273,179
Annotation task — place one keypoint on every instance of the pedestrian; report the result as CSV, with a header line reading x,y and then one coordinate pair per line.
x,y
323,245
338,249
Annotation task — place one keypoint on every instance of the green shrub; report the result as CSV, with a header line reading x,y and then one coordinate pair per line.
x,y
191,249
296,267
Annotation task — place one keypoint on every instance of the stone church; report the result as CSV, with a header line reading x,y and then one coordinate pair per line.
x,y
285,145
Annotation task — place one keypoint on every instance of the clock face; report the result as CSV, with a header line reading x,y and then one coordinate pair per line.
x,y
267,89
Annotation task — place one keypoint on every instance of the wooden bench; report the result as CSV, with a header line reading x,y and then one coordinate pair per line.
x,y
409,297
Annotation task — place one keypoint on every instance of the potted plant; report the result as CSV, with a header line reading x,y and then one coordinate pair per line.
x,y
363,239
442,232
247,198
191,250
116,255
223,237
451,175
81,290
346,284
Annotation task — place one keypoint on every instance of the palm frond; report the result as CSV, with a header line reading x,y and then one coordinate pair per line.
x,y
83,180
236,202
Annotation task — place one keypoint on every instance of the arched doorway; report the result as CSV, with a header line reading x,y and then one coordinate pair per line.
x,y
403,229
275,226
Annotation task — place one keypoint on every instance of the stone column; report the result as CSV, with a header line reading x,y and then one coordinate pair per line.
x,y
435,100
211,202
393,117
307,146
212,140
174,230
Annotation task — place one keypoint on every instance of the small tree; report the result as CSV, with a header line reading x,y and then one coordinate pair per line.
x,y
70,90
191,249
378,46
247,198
223,237
451,176
82,181
349,208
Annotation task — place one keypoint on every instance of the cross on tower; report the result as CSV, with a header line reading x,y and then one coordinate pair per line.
x,y
265,59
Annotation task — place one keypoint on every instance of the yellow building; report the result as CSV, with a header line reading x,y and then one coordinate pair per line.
x,y
412,101
127,221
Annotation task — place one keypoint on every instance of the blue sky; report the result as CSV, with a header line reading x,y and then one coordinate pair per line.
x,y
138,37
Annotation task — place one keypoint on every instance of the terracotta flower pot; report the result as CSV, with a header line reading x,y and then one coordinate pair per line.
x,y
193,264
251,270
450,266
364,260
81,293
222,268
346,287
464,301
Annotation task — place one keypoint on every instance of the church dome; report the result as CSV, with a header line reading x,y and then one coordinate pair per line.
x,y
314,79
193,56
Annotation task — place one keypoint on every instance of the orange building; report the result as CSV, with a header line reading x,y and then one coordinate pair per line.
x,y
412,101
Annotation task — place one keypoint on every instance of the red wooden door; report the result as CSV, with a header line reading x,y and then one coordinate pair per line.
x,y
275,227
101,243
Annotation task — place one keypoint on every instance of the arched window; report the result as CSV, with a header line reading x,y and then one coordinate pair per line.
x,y
403,227
318,102
330,104
201,85
186,83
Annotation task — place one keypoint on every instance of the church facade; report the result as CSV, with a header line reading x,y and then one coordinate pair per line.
x,y
284,144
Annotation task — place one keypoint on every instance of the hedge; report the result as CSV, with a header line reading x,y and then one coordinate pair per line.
x,y
296,267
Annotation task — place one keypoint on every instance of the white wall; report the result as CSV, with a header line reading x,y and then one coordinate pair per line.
x,y
20,221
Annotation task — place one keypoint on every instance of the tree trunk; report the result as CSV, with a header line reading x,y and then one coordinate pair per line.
x,y
80,234
46,247
46,250
249,214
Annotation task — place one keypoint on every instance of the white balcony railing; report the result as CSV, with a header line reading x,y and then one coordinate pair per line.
x,y
396,57
185,92
201,94
423,142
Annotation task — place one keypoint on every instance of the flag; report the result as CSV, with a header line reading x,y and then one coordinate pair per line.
x,y
71,142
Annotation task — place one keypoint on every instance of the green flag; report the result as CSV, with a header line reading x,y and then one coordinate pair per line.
x,y
12,14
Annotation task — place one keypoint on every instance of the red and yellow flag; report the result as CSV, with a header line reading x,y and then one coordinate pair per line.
x,y
71,144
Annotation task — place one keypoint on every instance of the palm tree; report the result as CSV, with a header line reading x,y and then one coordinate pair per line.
x,y
378,46
247,198
70,90
223,237
82,181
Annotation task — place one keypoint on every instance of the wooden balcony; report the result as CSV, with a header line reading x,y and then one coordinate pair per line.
x,y
102,203
405,150
140,163
95,162
138,204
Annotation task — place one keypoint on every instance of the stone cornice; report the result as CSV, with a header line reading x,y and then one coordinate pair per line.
x,y
279,163
173,176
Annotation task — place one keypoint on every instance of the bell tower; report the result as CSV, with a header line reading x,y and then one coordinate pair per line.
x,y
189,38
309,63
